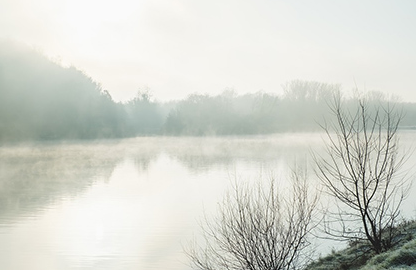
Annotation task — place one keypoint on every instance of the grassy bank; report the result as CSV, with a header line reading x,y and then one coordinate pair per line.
x,y
359,255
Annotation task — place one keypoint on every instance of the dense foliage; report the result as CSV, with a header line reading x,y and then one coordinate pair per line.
x,y
41,100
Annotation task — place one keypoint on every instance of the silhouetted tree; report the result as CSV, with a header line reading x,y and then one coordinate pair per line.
x,y
361,173
304,103
144,114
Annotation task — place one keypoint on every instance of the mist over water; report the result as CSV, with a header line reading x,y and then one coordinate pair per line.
x,y
132,203
123,204
123,123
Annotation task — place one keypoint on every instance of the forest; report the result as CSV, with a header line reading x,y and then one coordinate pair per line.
x,y
42,100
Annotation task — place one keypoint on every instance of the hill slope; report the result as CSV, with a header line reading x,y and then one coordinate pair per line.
x,y
40,99
359,257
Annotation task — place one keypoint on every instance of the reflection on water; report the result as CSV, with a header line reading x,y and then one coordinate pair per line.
x,y
32,177
124,204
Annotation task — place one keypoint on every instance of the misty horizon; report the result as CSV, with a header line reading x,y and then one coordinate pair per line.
x,y
42,100
126,125
18,48
176,48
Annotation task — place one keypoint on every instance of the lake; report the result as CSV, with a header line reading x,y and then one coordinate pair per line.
x,y
131,203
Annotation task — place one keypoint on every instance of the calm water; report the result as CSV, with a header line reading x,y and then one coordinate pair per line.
x,y
129,204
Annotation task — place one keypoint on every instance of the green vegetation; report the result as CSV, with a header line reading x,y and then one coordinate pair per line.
x,y
41,100
360,256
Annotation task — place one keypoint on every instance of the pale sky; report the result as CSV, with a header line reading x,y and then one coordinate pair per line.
x,y
179,47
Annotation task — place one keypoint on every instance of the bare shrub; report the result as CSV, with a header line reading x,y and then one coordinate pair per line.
x,y
258,228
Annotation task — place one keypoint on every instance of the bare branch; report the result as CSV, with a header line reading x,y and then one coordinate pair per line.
x,y
258,228
360,172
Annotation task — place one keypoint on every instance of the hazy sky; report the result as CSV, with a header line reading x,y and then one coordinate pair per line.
x,y
178,47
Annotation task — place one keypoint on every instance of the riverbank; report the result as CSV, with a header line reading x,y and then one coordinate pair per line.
x,y
358,256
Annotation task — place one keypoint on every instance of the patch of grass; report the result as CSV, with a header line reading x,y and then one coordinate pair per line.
x,y
404,256
358,256
349,258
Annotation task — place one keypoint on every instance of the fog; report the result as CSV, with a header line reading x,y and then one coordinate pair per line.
x,y
180,47
125,203
35,174
134,203
41,100
123,124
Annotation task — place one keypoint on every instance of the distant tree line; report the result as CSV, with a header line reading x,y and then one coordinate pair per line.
x,y
41,100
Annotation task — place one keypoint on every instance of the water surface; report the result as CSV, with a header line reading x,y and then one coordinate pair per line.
x,y
128,204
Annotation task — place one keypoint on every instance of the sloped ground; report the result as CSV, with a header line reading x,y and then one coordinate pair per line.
x,y
358,256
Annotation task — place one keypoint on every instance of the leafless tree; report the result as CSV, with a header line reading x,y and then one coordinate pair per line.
x,y
362,172
258,229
